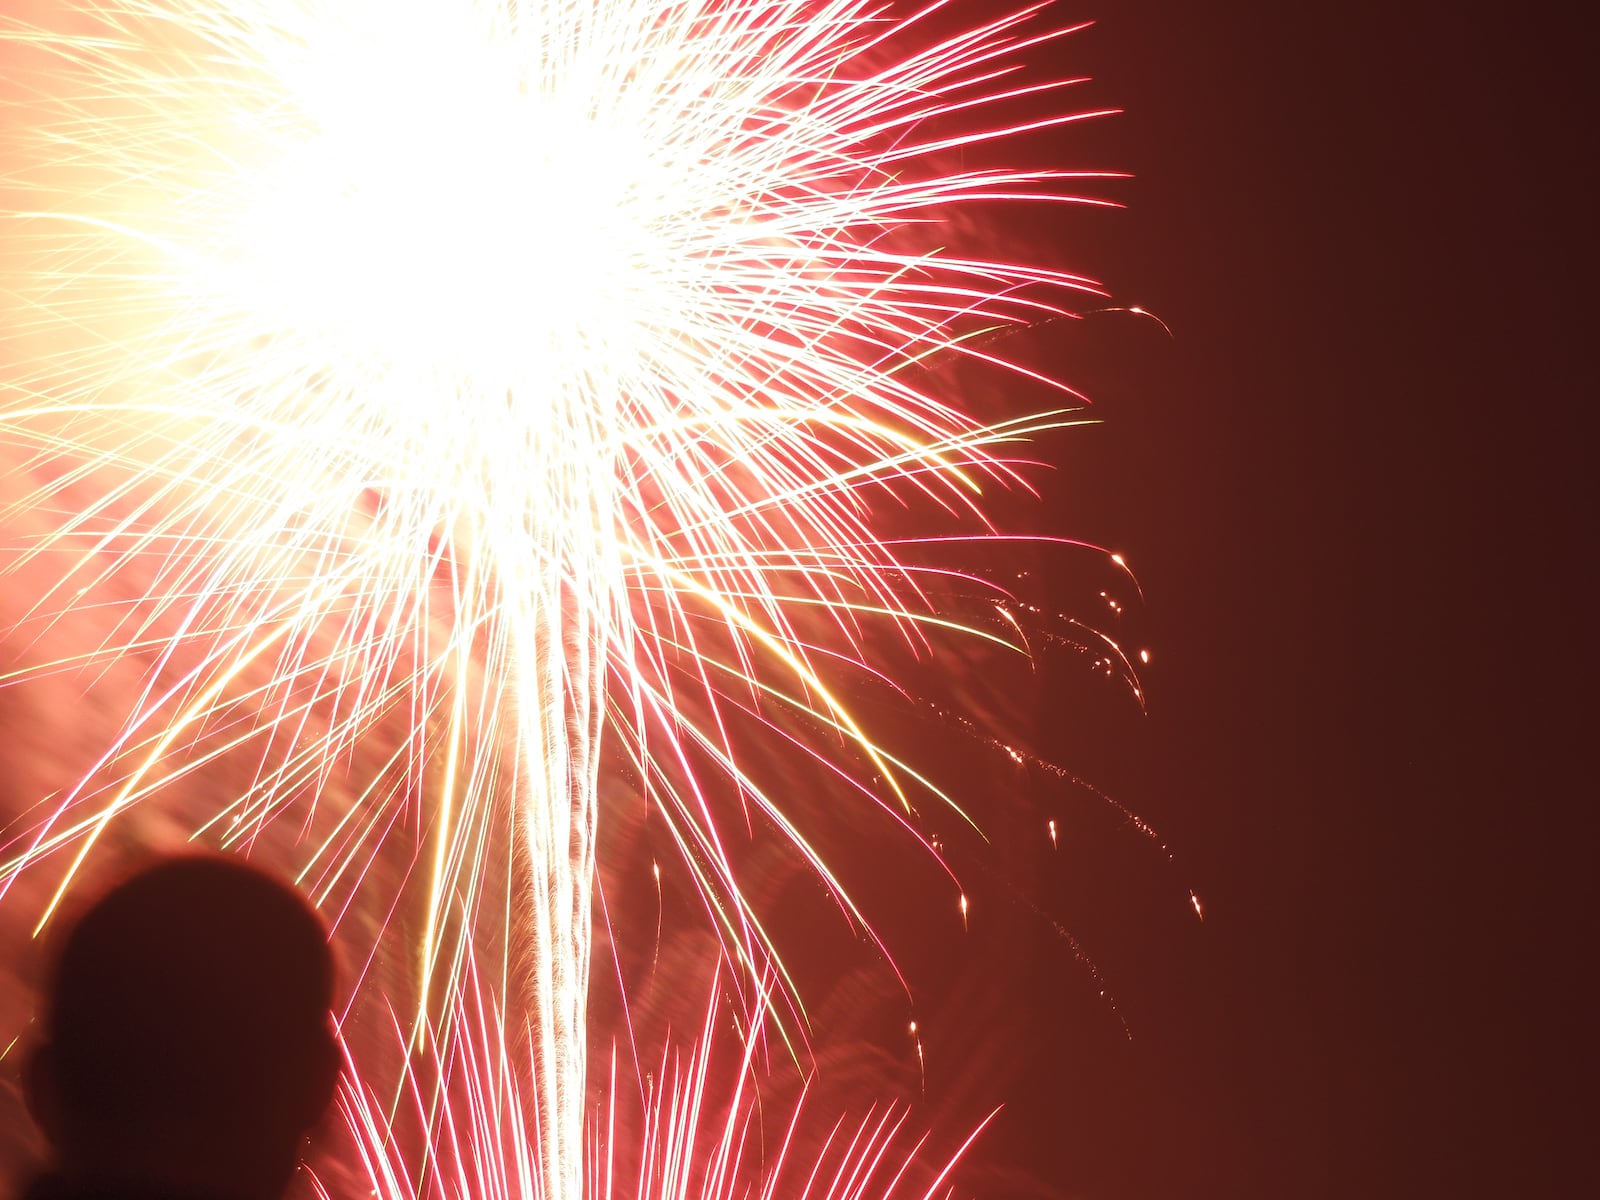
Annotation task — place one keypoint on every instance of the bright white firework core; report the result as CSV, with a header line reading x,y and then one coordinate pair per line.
x,y
437,206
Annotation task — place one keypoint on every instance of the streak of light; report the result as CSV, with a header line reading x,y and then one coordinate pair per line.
x,y
922,1062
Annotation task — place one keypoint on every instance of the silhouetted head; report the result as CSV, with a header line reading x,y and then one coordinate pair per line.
x,y
187,1039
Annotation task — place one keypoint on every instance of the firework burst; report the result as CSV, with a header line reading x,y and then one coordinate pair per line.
x,y
523,373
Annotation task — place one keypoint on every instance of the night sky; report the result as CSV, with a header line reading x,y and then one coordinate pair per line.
x,y
1356,491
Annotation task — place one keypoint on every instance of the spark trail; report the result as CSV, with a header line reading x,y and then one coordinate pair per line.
x,y
525,372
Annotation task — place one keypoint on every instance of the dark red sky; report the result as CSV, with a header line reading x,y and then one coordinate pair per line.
x,y
1357,491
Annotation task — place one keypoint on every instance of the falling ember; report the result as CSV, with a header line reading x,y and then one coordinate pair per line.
x,y
1053,843
523,373
922,1063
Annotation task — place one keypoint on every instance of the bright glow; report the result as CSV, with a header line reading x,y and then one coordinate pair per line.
x,y
528,372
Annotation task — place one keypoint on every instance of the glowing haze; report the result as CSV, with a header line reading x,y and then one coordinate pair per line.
x,y
527,370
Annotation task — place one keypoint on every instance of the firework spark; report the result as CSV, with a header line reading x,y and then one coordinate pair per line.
x,y
527,373
700,1135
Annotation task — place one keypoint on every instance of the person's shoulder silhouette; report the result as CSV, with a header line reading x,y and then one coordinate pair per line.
x,y
187,1044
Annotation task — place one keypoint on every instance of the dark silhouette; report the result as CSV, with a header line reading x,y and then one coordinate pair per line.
x,y
187,1046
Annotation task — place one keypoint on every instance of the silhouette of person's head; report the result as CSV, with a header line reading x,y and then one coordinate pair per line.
x,y
187,1043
